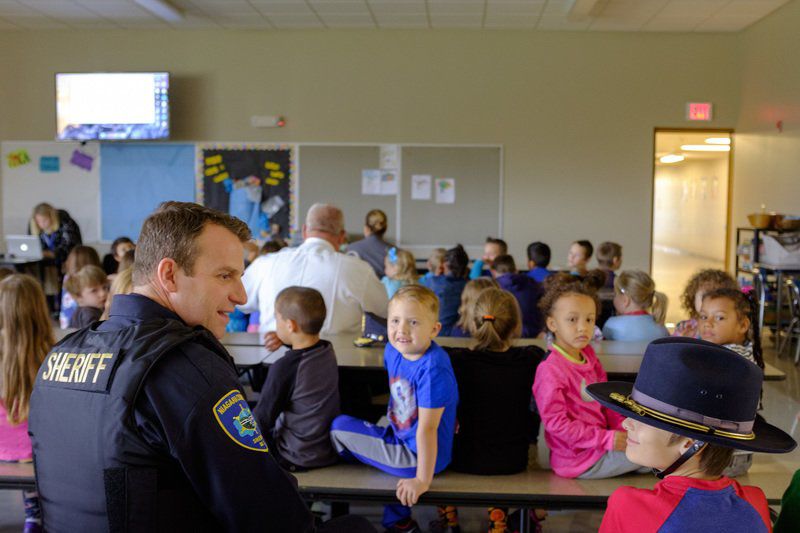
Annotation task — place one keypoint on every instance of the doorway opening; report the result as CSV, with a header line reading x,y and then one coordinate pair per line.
x,y
691,209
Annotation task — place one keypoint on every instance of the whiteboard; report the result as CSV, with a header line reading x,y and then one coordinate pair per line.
x,y
477,211
71,188
332,174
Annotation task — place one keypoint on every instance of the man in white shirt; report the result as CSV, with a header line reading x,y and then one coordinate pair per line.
x,y
347,284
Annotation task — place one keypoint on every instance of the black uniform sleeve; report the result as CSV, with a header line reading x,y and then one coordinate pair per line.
x,y
191,409
277,391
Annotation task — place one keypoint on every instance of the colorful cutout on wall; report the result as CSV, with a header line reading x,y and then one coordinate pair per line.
x,y
252,183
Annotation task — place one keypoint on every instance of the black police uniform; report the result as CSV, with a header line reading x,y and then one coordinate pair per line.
x,y
138,424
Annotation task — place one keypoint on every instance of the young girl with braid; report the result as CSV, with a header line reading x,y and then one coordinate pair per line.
x,y
728,317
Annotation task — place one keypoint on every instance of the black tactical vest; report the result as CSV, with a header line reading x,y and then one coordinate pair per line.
x,y
94,471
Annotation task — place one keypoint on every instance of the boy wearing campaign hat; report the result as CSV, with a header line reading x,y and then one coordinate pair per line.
x,y
693,403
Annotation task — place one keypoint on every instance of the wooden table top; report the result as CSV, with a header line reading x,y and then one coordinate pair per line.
x,y
618,358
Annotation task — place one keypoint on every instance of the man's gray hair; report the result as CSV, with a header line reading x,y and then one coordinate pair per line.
x,y
325,218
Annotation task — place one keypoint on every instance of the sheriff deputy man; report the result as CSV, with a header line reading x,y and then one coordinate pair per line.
x,y
138,422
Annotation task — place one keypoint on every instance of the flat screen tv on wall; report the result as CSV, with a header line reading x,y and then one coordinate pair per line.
x,y
112,106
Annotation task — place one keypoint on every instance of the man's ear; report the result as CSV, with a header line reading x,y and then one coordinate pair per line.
x,y
342,237
305,232
166,273
293,327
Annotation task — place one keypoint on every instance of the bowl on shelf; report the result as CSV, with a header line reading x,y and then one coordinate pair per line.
x,y
761,220
791,223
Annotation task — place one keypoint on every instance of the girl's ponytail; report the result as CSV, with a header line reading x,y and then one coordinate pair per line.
x,y
659,307
496,320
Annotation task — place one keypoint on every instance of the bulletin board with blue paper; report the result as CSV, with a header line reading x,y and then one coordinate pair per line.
x,y
136,178
252,183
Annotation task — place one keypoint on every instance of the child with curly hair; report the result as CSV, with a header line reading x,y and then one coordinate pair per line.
x,y
692,298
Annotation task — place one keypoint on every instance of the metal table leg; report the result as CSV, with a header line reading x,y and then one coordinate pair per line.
x,y
778,297
524,520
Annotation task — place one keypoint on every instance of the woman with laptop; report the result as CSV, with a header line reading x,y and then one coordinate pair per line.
x,y
59,234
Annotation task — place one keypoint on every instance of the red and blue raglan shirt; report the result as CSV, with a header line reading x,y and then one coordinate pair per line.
x,y
680,504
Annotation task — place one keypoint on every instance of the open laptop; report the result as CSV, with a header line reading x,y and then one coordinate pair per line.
x,y
23,247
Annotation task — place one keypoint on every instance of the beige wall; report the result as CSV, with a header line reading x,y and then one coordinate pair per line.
x,y
766,161
574,111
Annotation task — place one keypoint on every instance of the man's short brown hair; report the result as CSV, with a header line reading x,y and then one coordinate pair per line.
x,y
171,231
304,305
418,293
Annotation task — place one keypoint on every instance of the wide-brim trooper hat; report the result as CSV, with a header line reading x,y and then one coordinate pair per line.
x,y
699,390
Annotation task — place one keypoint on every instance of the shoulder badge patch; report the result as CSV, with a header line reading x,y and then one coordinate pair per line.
x,y
237,421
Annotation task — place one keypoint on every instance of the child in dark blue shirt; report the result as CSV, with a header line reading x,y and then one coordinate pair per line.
x,y
449,286
538,261
526,290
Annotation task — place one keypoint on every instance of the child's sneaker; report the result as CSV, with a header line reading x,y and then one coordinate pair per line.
x,y
32,527
447,521
407,526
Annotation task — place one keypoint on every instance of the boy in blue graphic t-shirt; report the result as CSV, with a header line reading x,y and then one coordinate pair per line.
x,y
422,407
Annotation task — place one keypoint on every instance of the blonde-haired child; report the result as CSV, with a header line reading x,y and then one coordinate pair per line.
x,y
435,265
692,298
466,312
89,288
585,440
400,268
641,309
78,257
494,384
27,336
418,441
122,284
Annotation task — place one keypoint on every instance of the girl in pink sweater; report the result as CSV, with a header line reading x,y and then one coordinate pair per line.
x,y
585,439
26,338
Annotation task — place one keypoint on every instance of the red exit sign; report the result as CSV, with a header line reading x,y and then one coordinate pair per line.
x,y
699,111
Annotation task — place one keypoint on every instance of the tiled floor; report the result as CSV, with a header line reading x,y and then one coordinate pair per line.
x,y
672,268
781,405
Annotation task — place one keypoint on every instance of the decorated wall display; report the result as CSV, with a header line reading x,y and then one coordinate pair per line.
x,y
251,182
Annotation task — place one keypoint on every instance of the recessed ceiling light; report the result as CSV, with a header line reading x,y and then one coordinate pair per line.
x,y
672,158
162,9
706,147
718,140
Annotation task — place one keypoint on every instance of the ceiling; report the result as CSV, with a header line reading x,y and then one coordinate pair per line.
x,y
572,15
670,143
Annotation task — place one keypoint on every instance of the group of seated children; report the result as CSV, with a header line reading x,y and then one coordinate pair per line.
x,y
490,390
448,270
476,410
85,297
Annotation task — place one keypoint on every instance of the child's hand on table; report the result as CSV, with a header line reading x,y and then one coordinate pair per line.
x,y
409,490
